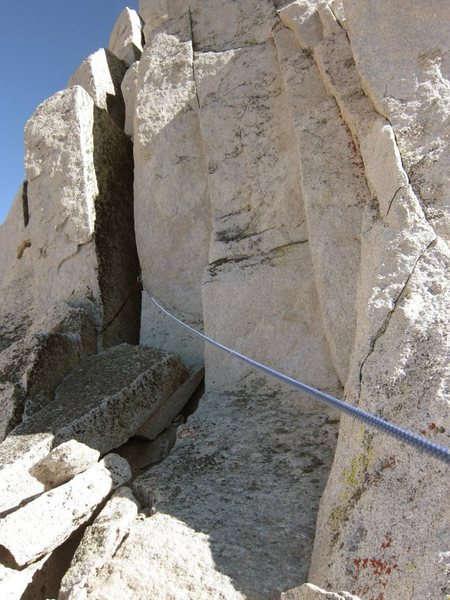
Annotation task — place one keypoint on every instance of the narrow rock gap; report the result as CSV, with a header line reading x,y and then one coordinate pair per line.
x,y
115,242
25,208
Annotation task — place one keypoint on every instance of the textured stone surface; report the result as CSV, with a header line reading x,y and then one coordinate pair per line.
x,y
16,310
407,78
64,462
384,507
142,453
45,523
171,203
308,591
126,37
241,467
138,568
101,75
33,365
334,190
99,544
14,583
129,92
17,455
228,24
260,282
153,13
171,407
107,397
79,166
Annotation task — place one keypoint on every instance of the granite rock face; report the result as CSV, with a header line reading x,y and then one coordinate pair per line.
x,y
126,37
68,252
291,200
173,214
241,466
101,75
129,91
107,397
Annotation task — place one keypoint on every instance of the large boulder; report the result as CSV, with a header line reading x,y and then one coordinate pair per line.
x,y
79,170
108,396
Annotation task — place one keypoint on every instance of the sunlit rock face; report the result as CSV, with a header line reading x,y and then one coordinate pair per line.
x,y
276,173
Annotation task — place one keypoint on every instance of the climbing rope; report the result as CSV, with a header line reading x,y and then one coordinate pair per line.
x,y
417,441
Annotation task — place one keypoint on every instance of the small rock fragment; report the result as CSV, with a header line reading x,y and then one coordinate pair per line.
x,y
64,462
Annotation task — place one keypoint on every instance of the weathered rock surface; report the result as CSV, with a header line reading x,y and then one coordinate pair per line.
x,y
101,75
14,583
240,468
17,457
129,92
64,462
308,591
126,37
80,170
142,453
260,260
45,523
334,190
163,558
216,25
107,397
173,215
99,544
153,13
407,78
376,485
101,403
291,195
171,407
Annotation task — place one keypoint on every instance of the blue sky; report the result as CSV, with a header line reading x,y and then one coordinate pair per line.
x,y
42,42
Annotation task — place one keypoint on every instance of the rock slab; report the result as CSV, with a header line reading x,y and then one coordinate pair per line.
x,y
104,400
45,523
98,544
171,407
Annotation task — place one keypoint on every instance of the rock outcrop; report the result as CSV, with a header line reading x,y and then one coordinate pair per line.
x,y
286,191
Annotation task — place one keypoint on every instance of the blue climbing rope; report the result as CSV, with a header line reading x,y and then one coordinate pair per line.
x,y
440,452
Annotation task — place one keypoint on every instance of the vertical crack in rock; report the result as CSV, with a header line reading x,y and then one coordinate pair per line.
x,y
114,237
388,317
25,208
